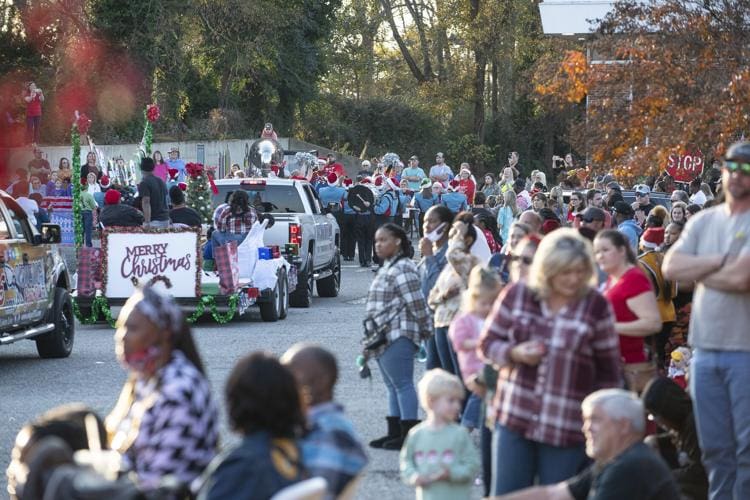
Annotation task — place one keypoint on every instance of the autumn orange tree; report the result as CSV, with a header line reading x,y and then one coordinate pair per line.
x,y
663,78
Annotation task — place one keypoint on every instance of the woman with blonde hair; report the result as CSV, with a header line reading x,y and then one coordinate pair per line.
x,y
662,213
557,203
554,339
506,180
507,214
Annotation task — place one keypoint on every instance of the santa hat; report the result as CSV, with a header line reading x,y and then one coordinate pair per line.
x,y
437,185
112,197
332,178
379,180
653,237
182,186
348,182
465,170
391,184
173,172
366,180
104,181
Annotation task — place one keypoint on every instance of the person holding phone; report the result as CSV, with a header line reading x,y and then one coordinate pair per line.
x,y
33,97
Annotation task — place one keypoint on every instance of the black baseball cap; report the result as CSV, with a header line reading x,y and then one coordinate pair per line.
x,y
623,208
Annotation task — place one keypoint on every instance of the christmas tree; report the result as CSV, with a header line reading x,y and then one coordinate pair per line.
x,y
198,191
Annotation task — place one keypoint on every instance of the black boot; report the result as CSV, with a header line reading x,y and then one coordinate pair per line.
x,y
397,442
394,431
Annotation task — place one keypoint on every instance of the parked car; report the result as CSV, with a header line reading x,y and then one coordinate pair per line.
x,y
35,301
303,229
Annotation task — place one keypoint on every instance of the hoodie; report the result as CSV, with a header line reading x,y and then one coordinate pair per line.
x,y
632,231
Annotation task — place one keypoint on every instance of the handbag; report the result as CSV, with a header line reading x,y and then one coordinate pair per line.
x,y
376,335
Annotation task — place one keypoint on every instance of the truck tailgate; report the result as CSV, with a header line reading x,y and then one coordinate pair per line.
x,y
279,233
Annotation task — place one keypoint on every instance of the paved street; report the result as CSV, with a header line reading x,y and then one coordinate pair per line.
x,y
29,385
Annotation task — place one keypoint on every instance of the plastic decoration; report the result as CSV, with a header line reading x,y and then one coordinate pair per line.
x,y
152,112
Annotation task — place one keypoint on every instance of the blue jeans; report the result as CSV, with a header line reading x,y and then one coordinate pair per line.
x,y
472,411
448,359
88,226
518,461
219,238
433,360
397,366
721,399
33,124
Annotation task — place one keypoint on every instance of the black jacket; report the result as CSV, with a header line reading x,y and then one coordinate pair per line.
x,y
120,215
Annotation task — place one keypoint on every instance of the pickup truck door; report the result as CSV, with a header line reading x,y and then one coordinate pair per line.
x,y
324,238
25,269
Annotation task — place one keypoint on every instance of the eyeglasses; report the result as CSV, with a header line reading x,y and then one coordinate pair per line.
x,y
735,166
523,259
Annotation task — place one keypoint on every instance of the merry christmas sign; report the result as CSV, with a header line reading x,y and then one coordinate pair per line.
x,y
139,256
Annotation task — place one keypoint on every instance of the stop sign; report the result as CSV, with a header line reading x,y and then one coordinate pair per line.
x,y
686,166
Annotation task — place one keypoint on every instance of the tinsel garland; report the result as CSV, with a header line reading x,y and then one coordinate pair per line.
x,y
100,305
75,139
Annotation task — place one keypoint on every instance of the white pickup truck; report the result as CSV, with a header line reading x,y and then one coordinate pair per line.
x,y
300,223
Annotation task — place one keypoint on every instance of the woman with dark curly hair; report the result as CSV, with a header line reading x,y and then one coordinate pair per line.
x,y
234,221
263,404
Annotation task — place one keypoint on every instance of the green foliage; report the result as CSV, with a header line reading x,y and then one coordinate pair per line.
x,y
199,196
467,148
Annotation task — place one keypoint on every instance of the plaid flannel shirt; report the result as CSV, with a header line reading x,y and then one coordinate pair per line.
x,y
543,403
398,285
226,221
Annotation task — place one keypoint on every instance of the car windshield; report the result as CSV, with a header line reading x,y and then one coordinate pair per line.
x,y
266,198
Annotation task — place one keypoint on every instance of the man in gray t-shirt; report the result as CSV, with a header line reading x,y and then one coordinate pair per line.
x,y
714,252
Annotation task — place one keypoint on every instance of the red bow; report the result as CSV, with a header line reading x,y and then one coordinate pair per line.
x,y
152,112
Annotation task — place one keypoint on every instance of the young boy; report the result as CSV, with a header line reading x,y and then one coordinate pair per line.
x,y
438,456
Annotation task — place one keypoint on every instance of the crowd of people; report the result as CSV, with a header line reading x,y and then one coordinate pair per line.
x,y
553,320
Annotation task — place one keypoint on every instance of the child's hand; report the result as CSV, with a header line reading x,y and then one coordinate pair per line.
x,y
422,481
443,476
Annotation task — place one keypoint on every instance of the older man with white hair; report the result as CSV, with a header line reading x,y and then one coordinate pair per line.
x,y
624,467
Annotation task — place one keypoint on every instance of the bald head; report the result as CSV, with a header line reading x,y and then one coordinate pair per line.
x,y
314,368
532,219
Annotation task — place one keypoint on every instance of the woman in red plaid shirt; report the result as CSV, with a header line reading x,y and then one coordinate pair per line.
x,y
233,222
554,341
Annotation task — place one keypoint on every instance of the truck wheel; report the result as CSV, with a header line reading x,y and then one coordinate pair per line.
x,y
59,342
284,294
270,311
329,286
302,296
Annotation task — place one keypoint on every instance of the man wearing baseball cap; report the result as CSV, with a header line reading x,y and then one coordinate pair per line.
x,y
642,205
177,163
626,225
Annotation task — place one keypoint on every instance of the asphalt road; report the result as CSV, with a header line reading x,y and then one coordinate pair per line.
x,y
29,385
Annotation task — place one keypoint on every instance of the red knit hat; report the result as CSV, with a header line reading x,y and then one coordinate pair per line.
x,y
653,237
112,197
332,178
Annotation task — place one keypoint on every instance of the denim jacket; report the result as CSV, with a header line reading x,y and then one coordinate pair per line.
x,y
430,267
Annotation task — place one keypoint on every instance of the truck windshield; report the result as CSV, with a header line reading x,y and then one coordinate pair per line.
x,y
273,199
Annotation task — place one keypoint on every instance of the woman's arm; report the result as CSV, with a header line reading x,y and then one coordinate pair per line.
x,y
649,320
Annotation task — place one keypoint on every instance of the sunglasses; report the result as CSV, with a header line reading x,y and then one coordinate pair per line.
x,y
735,166
522,259
640,195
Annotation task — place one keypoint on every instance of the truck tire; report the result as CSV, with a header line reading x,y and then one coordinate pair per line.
x,y
59,342
271,310
284,280
302,296
329,286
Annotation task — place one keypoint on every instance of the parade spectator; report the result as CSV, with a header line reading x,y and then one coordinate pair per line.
x,y
153,194
395,302
161,167
91,166
594,198
521,259
43,214
330,448
485,222
490,187
66,423
439,458
538,202
268,132
697,197
679,195
180,212
626,225
577,206
706,190
51,185
476,302
713,251
629,291
21,193
466,184
440,172
445,296
235,220
165,421
432,247
533,220
37,186
523,199
679,212
39,166
19,183
556,203
413,174
64,170
691,210
642,205
33,97
453,199
671,408
624,467
507,180
507,214
88,208
264,407
423,200
177,163
591,221
538,437
517,169
115,213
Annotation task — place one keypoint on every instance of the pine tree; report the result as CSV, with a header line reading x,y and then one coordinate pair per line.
x,y
199,193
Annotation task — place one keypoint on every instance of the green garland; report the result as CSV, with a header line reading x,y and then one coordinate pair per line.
x,y
100,305
148,133
75,139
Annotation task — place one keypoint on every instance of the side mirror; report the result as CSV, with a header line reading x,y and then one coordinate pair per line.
x,y
51,233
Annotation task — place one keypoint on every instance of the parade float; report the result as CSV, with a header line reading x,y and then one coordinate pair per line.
x,y
242,275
